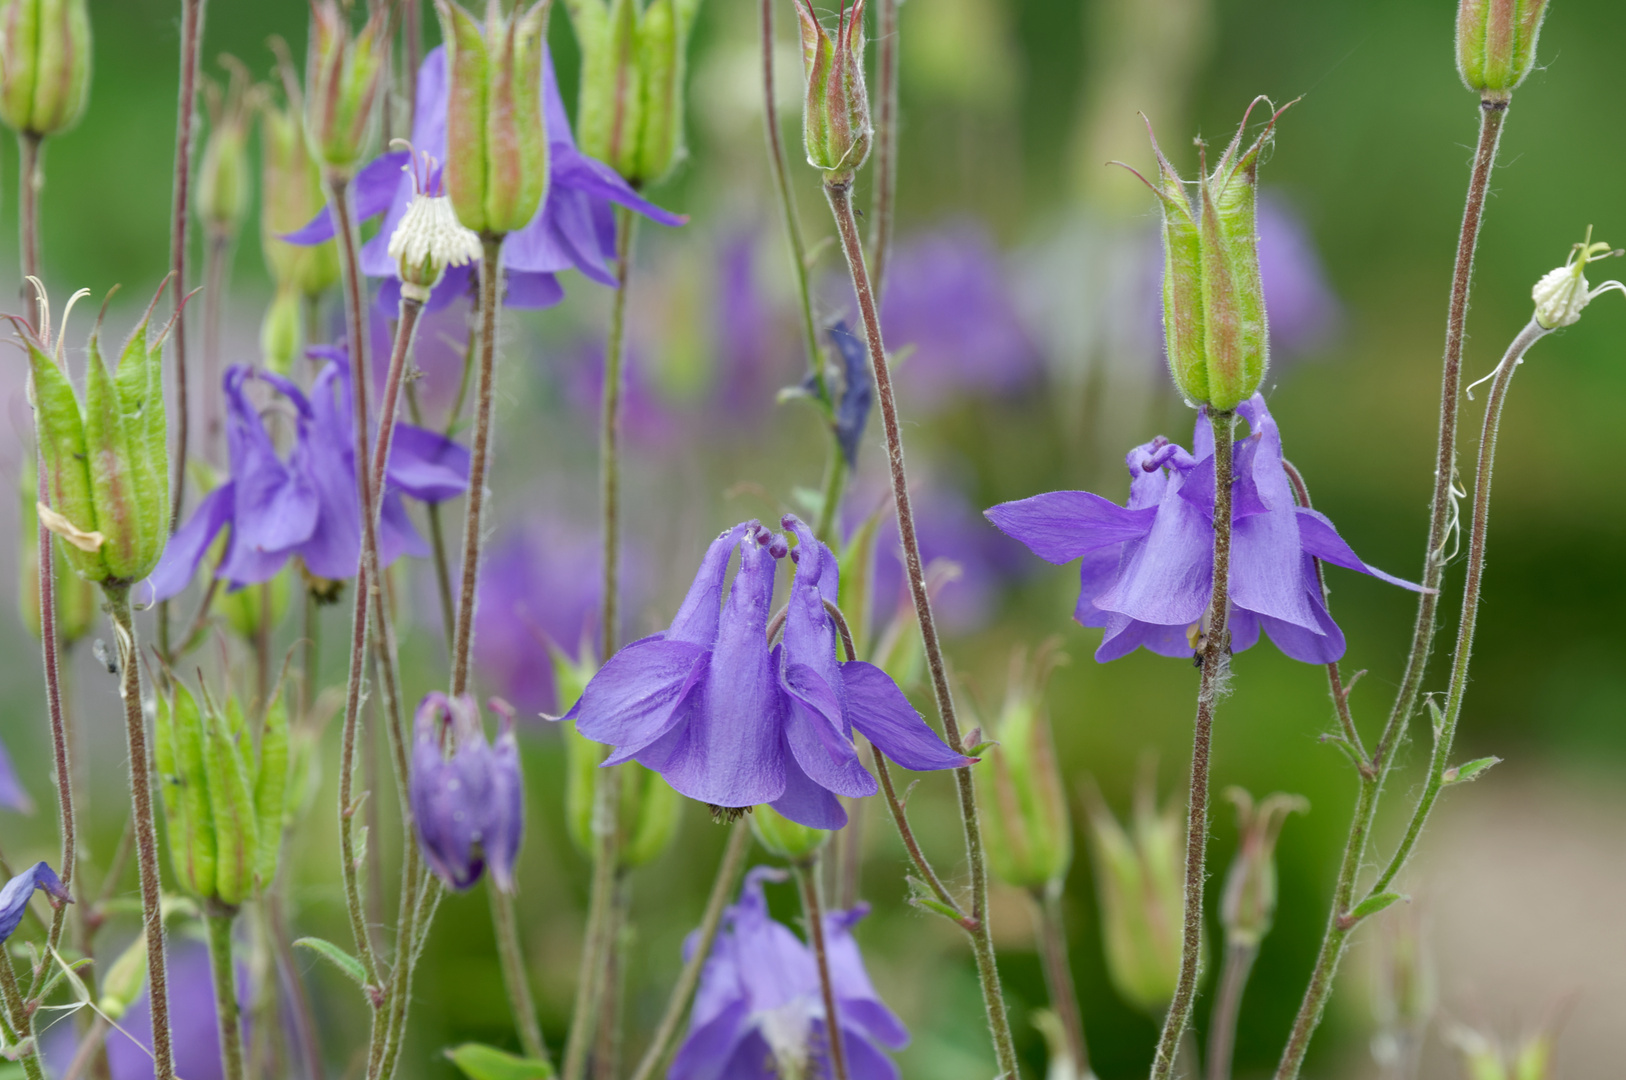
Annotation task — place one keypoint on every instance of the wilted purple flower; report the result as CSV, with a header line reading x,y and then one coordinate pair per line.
x,y
574,229
306,505
468,807
1148,569
759,1012
15,894
733,722
12,794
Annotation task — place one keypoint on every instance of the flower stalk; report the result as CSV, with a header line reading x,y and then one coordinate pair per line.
x,y
514,978
838,195
1058,974
186,111
218,919
1214,651
807,883
886,143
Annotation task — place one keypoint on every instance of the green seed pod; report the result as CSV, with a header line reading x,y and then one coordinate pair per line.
x,y
1496,44
836,128
344,73
231,801
75,598
1140,881
223,192
282,332
124,980
271,788
785,838
496,170
1023,801
184,783
290,195
1248,904
44,64
1214,323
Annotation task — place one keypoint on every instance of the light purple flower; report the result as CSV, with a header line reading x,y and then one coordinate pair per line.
x,y
13,796
731,721
759,1011
574,229
306,505
15,894
467,795
1148,568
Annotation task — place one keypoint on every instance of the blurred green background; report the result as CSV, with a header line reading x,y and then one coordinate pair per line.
x,y
1010,109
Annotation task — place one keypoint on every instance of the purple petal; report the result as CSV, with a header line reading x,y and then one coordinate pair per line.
x,y
813,733
1060,526
531,292
806,802
1244,628
190,542
865,1061
1096,574
15,894
858,1000
427,465
712,1041
1321,539
1168,577
1124,635
635,698
876,707
12,793
371,192
696,620
1320,646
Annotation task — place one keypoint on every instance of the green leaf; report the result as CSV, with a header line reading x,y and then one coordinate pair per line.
x,y
1370,907
480,1062
1436,717
336,956
1469,771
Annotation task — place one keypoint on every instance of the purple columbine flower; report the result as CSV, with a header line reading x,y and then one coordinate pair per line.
x,y
306,505
13,796
574,229
1148,570
14,895
759,1012
733,722
467,796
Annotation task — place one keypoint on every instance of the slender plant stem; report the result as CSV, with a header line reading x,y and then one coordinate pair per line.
x,y
146,830
1058,973
1239,957
30,181
1215,653
437,541
216,271
490,299
609,446
219,918
301,1017
1441,521
677,1006
885,172
412,31
313,652
596,939
21,1022
607,1052
518,983
982,942
186,110
807,881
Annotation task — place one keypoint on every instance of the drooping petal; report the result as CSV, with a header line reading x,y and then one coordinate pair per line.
x,y
814,735
712,1042
635,698
1321,540
1168,579
696,620
1124,635
1060,526
807,801
189,544
14,895
865,1061
12,794
1097,573
859,1001
878,709
427,465
371,192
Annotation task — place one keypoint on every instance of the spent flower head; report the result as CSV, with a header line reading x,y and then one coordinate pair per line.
x,y
1563,292
429,238
1248,904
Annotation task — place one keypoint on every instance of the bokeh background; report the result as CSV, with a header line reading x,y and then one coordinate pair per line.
x,y
1025,280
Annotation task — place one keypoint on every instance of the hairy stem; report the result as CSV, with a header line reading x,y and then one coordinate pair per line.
x,y
807,881
677,1006
886,142
596,938
219,919
1058,974
216,271
186,110
607,1049
21,1023
1239,959
514,978
609,445
1215,651
982,942
146,829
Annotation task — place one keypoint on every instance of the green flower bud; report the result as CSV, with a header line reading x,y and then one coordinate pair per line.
x,y
1249,902
124,980
835,116
1496,44
75,598
44,64
1213,303
255,607
496,143
106,465
1023,802
223,195
1140,879
785,838
649,810
282,332
344,73
291,193
184,786
631,112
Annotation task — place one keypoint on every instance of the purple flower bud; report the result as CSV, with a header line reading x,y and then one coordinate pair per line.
x,y
14,895
467,796
13,795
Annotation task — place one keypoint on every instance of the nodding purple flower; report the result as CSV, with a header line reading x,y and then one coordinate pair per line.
x,y
759,1011
574,229
467,796
12,794
14,895
306,505
732,721
1148,569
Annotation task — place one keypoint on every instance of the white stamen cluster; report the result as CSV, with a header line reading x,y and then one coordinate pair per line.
x,y
427,241
1563,292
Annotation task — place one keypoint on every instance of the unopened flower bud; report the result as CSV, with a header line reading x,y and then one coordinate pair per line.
x,y
467,795
1213,302
1023,802
124,980
631,111
1140,880
291,192
429,238
1249,902
785,838
836,127
1563,292
44,64
496,140
223,193
106,464
281,331
1496,44
344,73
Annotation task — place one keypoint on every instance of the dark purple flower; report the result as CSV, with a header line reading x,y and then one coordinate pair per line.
x,y
468,805
733,722
759,1011
1148,568
306,505
15,894
574,229
12,794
